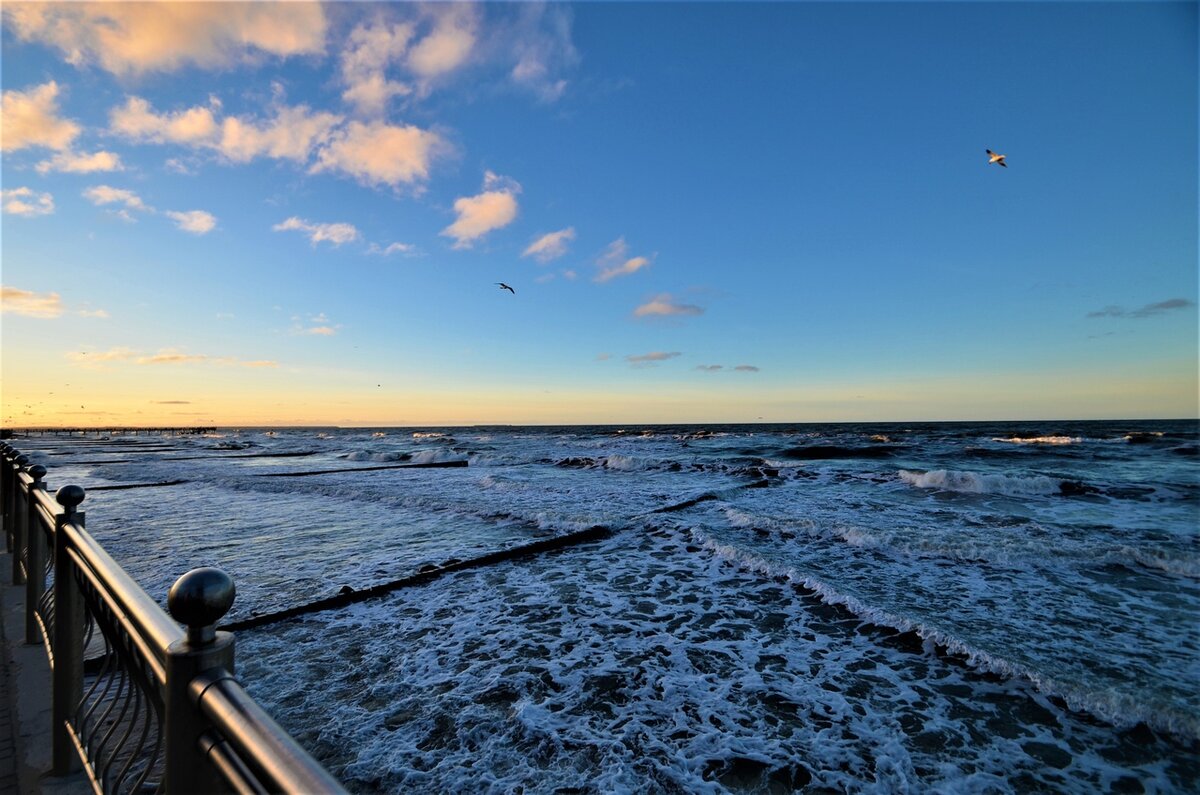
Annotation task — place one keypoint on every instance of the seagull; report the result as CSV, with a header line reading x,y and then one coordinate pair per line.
x,y
995,158
504,286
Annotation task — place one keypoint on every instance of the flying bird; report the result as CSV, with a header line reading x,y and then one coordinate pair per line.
x,y
995,158
504,286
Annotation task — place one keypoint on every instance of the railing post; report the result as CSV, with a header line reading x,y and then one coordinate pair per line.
x,y
69,623
6,450
198,600
17,520
35,556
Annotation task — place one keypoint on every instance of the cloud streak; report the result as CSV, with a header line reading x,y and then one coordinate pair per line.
x,y
649,359
550,246
1149,310
664,306
164,356
337,233
30,304
81,163
615,262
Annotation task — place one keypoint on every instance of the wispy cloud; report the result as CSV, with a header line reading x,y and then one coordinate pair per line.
x,y
31,117
133,38
665,306
551,245
746,368
172,402
492,209
541,44
30,304
164,356
93,313
603,357
406,249
615,261
81,163
26,202
447,46
371,49
645,359
337,233
316,325
710,368
197,222
101,195
1149,310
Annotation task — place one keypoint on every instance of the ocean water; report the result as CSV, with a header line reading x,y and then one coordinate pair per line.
x,y
954,607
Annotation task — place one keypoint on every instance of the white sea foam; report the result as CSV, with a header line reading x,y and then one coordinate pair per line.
x,y
979,483
1050,440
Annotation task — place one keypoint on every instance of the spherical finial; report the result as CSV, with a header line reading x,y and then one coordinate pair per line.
x,y
69,497
199,599
22,460
37,472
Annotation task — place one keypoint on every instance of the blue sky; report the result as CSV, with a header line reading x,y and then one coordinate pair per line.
x,y
800,190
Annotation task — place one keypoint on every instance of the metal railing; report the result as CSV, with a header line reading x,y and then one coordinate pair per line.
x,y
141,704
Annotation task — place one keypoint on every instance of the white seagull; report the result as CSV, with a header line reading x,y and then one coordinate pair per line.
x,y
995,158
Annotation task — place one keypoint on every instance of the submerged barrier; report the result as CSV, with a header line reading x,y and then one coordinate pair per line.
x,y
158,708
349,596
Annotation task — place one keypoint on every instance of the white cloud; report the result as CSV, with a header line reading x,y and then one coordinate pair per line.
x,y
337,234
26,202
292,134
81,163
104,194
96,313
492,209
551,245
198,222
30,118
614,262
664,305
137,121
30,304
374,153
377,153
132,38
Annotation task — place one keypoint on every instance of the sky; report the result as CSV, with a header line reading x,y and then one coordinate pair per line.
x,y
272,214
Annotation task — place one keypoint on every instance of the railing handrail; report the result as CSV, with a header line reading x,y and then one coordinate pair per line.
x,y
286,766
214,731
144,616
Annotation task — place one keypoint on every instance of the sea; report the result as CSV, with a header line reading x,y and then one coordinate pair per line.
x,y
907,607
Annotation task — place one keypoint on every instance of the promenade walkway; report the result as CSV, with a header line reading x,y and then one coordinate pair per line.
x,y
25,706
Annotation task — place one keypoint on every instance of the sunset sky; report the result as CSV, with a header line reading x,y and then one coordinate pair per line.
x,y
264,214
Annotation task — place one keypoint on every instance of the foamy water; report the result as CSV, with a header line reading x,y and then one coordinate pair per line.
x,y
966,608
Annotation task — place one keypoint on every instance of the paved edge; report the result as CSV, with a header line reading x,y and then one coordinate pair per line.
x,y
25,704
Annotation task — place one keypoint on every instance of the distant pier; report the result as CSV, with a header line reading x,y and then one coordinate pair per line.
x,y
9,433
